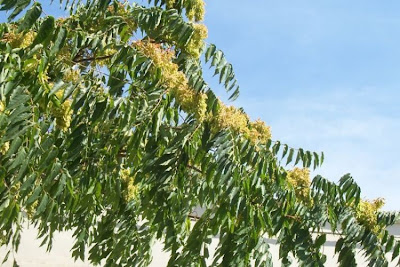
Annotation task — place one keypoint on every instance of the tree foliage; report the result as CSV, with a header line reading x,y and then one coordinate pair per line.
x,y
108,128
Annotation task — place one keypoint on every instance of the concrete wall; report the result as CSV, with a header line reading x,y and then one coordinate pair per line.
x,y
31,255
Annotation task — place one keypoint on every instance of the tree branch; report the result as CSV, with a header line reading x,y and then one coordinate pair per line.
x,y
194,168
92,58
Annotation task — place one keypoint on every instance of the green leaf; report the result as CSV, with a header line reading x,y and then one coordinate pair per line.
x,y
68,91
7,4
5,259
389,244
61,185
308,159
20,5
104,3
210,52
57,87
316,160
320,240
27,184
285,150
157,120
276,147
223,68
30,17
59,42
99,110
15,144
45,32
339,245
290,157
35,195
42,205
17,100
50,158
54,172
19,159
322,157
116,82
299,156
235,94
396,250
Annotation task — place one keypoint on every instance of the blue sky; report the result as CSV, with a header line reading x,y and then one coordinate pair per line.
x,y
324,75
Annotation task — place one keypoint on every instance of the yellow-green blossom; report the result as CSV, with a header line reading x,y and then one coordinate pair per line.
x,y
230,117
72,75
170,3
4,148
19,40
299,178
174,80
131,191
62,114
259,132
196,102
366,213
195,10
196,42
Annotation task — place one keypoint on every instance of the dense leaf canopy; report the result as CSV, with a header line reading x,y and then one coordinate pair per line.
x,y
107,128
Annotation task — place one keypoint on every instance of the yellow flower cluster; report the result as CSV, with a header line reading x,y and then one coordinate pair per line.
x,y
195,10
233,118
31,65
19,40
175,80
230,117
170,3
156,53
196,103
43,79
196,42
190,101
131,191
63,114
366,213
3,237
258,132
123,11
299,178
71,75
15,189
28,39
4,148
61,21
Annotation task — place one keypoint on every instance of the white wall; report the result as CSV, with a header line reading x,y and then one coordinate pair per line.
x,y
31,255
